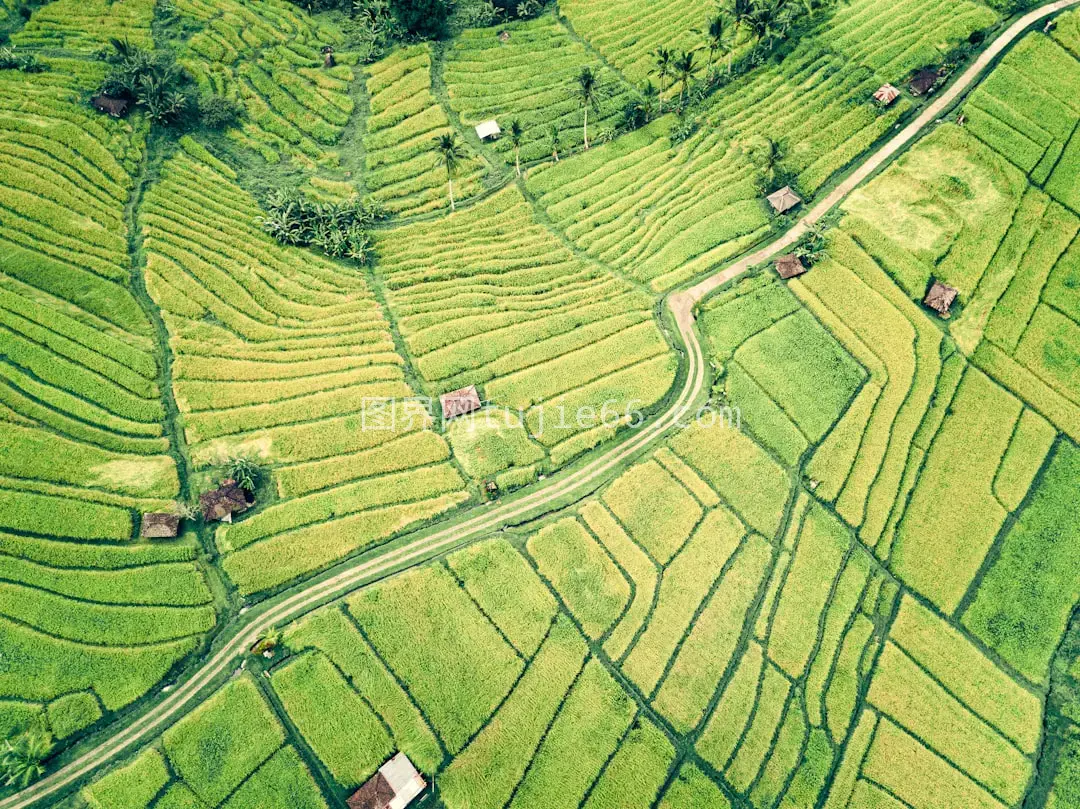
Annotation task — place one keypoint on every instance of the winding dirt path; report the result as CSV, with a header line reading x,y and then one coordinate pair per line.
x,y
681,304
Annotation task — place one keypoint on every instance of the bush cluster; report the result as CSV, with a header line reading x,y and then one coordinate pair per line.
x,y
10,59
340,230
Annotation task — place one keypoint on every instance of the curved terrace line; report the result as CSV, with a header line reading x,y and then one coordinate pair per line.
x,y
681,304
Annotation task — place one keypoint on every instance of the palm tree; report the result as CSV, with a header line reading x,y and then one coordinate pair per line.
x,y
517,134
767,154
662,59
588,93
650,96
451,153
684,69
21,757
718,35
553,135
740,11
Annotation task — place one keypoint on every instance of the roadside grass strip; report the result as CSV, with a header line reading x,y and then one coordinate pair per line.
x,y
266,56
247,381
453,661
489,297
83,26
403,167
487,78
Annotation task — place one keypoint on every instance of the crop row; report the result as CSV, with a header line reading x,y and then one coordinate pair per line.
x,y
658,213
86,25
627,32
905,36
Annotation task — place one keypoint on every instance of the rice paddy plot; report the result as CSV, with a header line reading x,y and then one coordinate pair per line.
x,y
266,56
86,26
626,32
488,78
229,752
286,357
489,297
896,39
403,168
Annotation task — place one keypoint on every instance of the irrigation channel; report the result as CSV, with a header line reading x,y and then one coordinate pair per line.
x,y
578,482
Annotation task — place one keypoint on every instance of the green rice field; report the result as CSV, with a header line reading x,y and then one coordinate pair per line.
x,y
843,578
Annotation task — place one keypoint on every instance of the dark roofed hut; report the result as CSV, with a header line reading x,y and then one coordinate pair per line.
x,y
221,503
116,107
940,298
459,402
790,266
923,82
159,525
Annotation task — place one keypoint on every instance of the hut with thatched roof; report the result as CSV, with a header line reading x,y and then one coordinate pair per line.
x,y
923,82
159,525
224,501
790,266
784,200
459,402
940,298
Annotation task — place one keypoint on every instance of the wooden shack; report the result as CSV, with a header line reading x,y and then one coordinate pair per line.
x,y
940,298
886,95
459,402
790,266
159,525
116,107
923,82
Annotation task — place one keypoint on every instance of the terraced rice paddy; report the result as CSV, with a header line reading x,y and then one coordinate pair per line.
x,y
848,585
286,364
89,620
665,213
490,297
266,56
